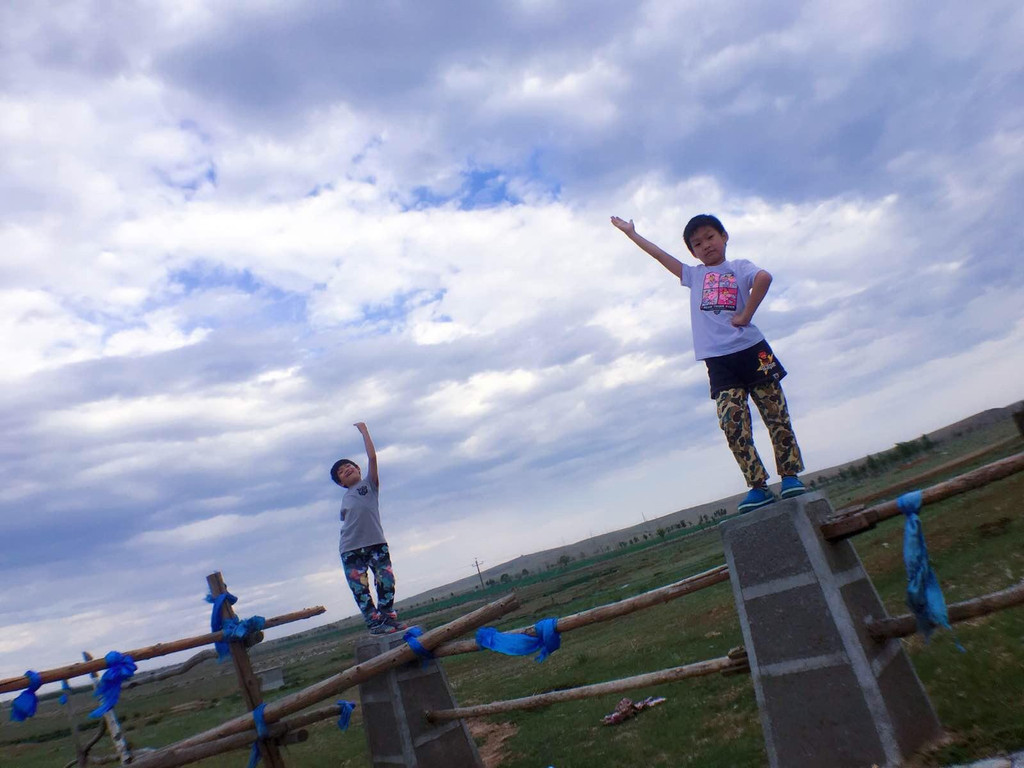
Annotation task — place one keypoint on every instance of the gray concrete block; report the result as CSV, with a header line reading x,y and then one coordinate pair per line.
x,y
828,694
393,704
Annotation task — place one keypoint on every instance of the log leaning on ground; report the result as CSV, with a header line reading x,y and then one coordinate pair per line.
x,y
610,611
865,519
737,661
902,626
333,686
149,652
285,731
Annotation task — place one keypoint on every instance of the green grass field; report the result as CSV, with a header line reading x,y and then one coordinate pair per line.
x,y
709,722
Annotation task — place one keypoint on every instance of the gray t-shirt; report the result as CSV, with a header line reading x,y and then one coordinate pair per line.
x,y
360,517
716,294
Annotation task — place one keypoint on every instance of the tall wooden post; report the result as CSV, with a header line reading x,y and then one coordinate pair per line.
x,y
247,679
121,745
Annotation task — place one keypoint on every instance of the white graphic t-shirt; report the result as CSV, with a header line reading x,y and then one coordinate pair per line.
x,y
716,294
360,517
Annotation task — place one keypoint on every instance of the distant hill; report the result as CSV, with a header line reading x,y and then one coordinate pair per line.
x,y
594,545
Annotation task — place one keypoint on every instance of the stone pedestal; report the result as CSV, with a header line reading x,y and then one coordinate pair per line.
x,y
828,694
393,704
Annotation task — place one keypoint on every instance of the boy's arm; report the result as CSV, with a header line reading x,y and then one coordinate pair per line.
x,y
757,293
666,259
371,454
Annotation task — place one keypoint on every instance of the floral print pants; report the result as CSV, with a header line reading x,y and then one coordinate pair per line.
x,y
734,419
376,558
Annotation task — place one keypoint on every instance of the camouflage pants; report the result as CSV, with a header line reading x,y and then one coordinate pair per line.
x,y
734,419
377,558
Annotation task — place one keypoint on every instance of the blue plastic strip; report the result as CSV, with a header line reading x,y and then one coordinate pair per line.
x,y
217,621
345,707
119,668
924,595
261,731
410,638
24,705
547,641
67,689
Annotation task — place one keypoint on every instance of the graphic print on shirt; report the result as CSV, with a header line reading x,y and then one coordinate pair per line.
x,y
363,490
719,292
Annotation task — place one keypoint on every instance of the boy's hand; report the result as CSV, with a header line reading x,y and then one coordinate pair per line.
x,y
361,427
625,226
740,320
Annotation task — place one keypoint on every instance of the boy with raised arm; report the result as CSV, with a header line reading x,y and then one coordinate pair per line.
x,y
724,295
363,546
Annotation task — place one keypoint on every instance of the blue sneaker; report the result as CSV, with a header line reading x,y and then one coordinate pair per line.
x,y
757,498
791,486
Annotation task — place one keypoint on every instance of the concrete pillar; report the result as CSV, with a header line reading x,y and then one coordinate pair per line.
x,y
393,704
828,694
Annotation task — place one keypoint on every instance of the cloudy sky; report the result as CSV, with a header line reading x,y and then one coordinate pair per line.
x,y
230,230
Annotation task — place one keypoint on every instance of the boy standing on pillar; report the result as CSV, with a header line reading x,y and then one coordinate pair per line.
x,y
363,546
723,298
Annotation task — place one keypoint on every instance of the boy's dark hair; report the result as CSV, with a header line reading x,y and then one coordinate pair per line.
x,y
338,465
698,221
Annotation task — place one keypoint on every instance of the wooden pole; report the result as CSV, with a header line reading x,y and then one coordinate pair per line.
x,y
844,526
247,680
149,652
81,758
333,686
610,611
700,669
902,626
283,730
121,745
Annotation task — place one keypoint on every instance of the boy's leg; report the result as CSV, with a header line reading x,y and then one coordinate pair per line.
x,y
355,562
734,419
384,576
771,402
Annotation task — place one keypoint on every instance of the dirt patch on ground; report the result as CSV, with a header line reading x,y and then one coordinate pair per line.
x,y
491,738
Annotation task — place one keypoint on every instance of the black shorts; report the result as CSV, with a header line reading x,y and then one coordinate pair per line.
x,y
745,369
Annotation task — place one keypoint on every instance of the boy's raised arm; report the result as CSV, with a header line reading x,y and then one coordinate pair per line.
x,y
666,259
371,454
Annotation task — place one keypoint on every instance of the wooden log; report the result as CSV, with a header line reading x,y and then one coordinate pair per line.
x,y
844,526
149,652
179,669
247,680
610,611
917,480
906,624
332,686
699,669
284,730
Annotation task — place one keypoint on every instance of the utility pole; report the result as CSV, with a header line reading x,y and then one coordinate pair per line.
x,y
477,563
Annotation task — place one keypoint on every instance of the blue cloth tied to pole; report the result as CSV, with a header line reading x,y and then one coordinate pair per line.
x,y
924,595
411,638
262,732
108,691
217,621
234,629
547,641
119,668
67,689
346,708
24,705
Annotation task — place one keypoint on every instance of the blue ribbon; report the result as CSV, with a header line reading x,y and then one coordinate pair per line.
x,y
924,595
346,708
67,689
547,641
217,621
411,640
119,668
24,705
262,732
